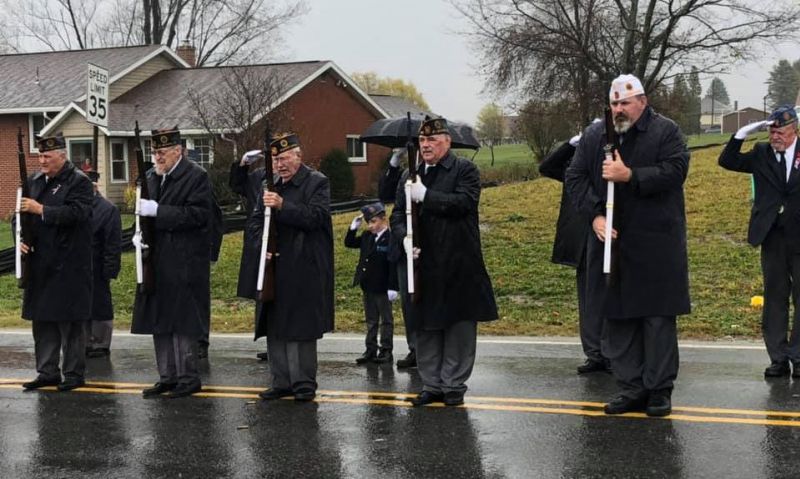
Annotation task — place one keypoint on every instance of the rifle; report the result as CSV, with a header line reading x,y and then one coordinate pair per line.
x,y
145,226
608,149
265,284
23,229
411,240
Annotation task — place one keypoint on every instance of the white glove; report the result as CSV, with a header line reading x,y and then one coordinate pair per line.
x,y
137,241
148,207
394,161
415,253
418,191
750,129
356,224
392,294
575,140
251,156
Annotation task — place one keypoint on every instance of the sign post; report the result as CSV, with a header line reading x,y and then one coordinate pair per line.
x,y
96,103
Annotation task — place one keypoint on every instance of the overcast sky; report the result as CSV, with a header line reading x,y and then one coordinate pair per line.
x,y
417,40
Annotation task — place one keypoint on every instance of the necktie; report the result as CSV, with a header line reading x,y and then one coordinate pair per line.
x,y
783,164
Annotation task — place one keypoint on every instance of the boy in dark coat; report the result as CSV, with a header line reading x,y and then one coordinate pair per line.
x,y
378,280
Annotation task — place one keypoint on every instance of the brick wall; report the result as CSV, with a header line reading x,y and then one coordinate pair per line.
x,y
9,167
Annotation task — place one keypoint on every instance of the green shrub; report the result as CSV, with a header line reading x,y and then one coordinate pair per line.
x,y
335,166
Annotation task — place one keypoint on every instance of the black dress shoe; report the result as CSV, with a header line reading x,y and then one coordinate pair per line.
x,y
427,397
305,395
796,369
623,404
98,353
184,390
383,357
71,383
410,361
159,388
40,383
659,404
777,370
366,357
263,356
273,393
593,366
453,398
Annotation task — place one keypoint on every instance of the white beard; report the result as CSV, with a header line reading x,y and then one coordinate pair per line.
x,y
622,126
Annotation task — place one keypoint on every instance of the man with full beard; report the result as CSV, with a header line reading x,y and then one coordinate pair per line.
x,y
648,285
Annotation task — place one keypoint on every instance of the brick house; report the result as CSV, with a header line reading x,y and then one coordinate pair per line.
x,y
731,122
317,100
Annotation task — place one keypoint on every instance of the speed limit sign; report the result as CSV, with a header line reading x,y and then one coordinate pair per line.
x,y
97,96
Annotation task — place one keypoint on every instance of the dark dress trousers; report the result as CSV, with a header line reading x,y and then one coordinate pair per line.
x,y
775,226
106,255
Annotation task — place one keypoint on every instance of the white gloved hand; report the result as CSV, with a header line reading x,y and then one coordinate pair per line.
x,y
575,140
356,224
251,156
415,252
418,191
750,129
394,161
137,241
148,207
392,294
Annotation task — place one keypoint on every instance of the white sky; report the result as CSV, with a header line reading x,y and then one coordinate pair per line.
x,y
416,40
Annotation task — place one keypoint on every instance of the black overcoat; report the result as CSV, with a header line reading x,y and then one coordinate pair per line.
x,y
106,252
249,185
374,272
60,282
649,263
454,285
572,227
773,194
181,301
303,307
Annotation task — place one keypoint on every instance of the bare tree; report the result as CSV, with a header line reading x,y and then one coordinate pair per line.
x,y
573,48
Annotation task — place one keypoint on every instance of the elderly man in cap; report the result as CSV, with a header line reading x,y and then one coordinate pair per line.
x,y
106,252
648,285
377,277
302,308
454,288
176,312
775,225
58,296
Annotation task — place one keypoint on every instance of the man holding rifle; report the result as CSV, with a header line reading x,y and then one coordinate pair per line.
x,y
58,295
454,289
648,285
302,308
177,310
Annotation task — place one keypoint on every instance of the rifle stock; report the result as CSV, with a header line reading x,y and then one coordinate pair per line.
x,y
145,226
265,286
23,230
608,149
412,217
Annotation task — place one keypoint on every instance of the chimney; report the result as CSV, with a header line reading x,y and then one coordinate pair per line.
x,y
187,53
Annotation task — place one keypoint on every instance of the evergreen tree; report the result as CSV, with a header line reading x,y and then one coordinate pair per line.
x,y
784,82
695,90
718,92
680,100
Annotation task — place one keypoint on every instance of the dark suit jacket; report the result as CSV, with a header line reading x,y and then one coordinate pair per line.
x,y
374,272
772,191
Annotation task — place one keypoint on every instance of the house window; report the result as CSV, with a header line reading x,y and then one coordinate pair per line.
x,y
36,123
80,153
356,151
147,153
119,161
203,153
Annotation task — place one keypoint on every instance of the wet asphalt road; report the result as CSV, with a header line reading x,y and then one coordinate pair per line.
x,y
527,415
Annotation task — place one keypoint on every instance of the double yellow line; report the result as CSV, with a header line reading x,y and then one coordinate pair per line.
x,y
485,403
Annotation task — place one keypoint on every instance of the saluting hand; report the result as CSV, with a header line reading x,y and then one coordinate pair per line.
x,y
272,200
615,170
28,205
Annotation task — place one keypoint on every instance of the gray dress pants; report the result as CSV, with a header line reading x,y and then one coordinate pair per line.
x,y
445,357
176,358
293,364
51,339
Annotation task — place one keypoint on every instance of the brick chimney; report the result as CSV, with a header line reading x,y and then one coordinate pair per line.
x,y
187,53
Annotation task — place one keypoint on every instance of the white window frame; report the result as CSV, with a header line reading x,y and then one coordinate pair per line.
x,y
32,147
124,143
356,159
79,139
147,150
190,145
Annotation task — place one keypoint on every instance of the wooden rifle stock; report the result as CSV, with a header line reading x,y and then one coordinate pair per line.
x,y
608,149
24,226
265,287
145,226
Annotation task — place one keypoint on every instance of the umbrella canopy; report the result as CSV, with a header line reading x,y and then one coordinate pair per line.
x,y
391,132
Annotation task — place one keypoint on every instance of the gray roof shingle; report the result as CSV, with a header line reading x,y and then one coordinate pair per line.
x,y
397,106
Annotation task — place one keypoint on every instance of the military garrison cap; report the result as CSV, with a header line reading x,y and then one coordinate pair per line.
x,y
782,116
50,143
284,142
166,137
372,210
433,126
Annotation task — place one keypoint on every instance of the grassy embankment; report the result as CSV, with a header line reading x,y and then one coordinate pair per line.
x,y
535,297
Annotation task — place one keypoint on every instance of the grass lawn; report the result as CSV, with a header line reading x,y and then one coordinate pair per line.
x,y
535,297
6,235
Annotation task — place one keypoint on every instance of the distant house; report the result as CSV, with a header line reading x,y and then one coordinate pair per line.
x,y
731,122
711,112
151,84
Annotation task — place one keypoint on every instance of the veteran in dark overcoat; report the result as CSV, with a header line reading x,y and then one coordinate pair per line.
x,y
58,295
303,308
454,287
649,282
176,312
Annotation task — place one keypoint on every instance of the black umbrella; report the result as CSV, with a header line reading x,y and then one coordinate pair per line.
x,y
392,133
